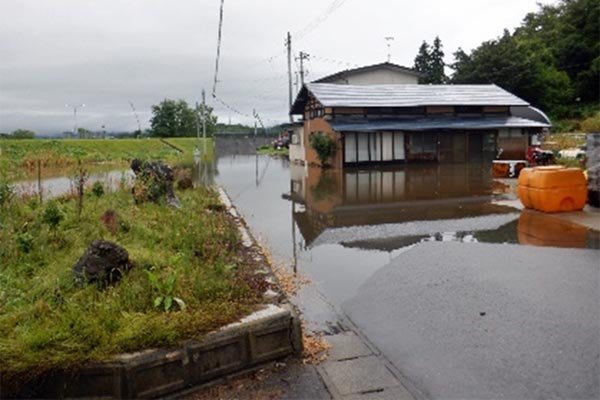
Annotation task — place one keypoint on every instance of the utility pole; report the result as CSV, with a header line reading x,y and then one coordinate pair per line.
x,y
288,44
197,123
255,127
75,107
137,118
296,81
303,56
204,120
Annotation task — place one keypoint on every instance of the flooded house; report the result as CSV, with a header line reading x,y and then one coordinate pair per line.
x,y
374,123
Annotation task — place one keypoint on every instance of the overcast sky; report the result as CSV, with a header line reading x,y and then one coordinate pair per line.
x,y
105,53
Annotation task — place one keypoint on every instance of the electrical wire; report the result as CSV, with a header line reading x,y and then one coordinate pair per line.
x,y
314,24
214,91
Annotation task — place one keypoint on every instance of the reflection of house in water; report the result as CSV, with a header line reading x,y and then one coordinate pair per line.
x,y
386,209
377,208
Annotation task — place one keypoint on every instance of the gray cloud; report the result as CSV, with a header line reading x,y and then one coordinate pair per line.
x,y
106,53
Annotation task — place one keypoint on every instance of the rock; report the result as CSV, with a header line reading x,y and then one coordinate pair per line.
x,y
154,181
103,263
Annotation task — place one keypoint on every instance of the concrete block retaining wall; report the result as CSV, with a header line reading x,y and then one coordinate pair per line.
x,y
265,335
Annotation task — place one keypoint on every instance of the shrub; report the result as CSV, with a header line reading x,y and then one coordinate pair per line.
x,y
324,146
52,215
591,124
25,242
5,193
98,189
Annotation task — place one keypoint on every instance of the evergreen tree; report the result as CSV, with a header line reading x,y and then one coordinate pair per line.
x,y
437,64
430,62
423,62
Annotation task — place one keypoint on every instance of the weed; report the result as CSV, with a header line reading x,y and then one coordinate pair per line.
x,y
165,290
52,215
98,189
5,193
25,242
79,180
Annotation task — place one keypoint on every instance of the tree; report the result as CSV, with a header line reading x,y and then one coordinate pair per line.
x,y
324,145
175,118
551,60
430,62
423,62
437,75
23,134
84,133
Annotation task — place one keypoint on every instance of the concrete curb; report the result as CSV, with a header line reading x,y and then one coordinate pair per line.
x,y
262,336
268,334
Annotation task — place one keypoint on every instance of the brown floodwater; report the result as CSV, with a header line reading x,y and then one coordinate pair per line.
x,y
340,226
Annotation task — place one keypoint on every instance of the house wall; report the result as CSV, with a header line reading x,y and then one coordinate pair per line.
x,y
297,148
514,143
377,77
321,125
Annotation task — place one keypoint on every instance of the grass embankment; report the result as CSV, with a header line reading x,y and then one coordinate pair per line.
x,y
23,155
47,321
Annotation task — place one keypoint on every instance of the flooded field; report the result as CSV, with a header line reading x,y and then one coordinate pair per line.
x,y
57,184
59,181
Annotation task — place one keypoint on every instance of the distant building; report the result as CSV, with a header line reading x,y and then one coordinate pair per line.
x,y
377,74
397,123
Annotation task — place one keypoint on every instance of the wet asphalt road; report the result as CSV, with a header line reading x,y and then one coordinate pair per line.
x,y
482,321
459,320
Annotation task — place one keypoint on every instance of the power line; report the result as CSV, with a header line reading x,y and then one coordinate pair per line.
x,y
335,61
136,116
230,107
218,48
314,24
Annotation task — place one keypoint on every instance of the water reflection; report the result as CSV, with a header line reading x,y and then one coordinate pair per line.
x,y
387,209
60,185
205,169
315,222
539,229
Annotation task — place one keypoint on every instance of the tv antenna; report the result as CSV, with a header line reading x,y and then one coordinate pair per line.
x,y
388,42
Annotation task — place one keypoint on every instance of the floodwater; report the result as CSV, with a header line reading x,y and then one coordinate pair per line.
x,y
340,227
54,183
54,186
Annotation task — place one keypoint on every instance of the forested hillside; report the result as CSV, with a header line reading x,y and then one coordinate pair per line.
x,y
551,60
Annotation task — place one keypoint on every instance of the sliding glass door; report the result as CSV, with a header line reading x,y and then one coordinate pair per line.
x,y
361,147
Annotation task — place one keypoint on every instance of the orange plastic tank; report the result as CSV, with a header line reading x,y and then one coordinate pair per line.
x,y
552,188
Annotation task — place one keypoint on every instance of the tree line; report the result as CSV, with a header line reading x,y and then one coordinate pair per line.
x,y
552,59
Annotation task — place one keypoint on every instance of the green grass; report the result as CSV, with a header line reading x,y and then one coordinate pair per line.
x,y
47,321
18,156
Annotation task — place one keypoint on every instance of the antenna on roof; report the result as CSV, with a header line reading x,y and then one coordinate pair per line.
x,y
388,42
